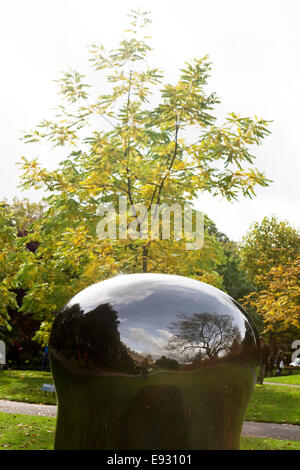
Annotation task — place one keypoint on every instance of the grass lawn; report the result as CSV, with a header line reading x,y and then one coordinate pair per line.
x,y
21,432
269,403
25,386
274,404
24,432
257,443
285,379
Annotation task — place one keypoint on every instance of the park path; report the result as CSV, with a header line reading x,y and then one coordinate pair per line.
x,y
16,407
289,432
281,384
254,429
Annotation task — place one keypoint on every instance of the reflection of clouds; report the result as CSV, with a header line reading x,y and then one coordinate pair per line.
x,y
147,342
160,294
146,304
126,286
167,334
143,342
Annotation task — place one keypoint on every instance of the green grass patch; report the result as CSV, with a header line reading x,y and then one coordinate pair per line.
x,y
25,386
268,403
274,404
179,400
24,432
257,443
285,379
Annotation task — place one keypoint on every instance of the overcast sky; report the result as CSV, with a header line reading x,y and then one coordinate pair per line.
x,y
254,48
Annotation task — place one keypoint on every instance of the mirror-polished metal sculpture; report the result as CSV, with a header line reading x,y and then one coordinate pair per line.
x,y
152,361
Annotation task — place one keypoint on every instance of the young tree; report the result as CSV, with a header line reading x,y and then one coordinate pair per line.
x,y
164,149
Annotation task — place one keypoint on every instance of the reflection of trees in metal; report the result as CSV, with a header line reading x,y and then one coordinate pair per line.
x,y
167,363
203,336
91,340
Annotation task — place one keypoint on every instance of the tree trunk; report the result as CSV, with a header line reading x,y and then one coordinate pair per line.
x,y
145,259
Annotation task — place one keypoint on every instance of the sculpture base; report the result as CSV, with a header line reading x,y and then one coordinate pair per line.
x,y
164,410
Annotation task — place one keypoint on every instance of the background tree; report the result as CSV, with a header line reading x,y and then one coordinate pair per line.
x,y
15,224
234,279
268,243
8,263
270,258
163,149
15,221
279,302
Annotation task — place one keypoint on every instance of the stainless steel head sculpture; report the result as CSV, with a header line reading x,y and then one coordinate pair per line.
x,y
152,361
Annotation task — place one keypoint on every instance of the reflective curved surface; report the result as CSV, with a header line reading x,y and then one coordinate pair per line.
x,y
152,361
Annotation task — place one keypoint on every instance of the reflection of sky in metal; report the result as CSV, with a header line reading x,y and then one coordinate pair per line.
x,y
144,342
148,303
